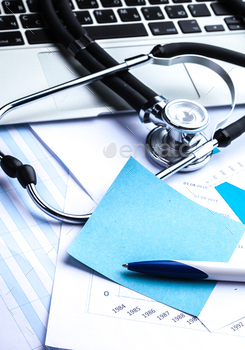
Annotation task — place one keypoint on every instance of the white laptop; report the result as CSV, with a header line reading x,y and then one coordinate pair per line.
x,y
30,61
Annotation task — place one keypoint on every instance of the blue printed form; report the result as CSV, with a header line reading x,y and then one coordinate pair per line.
x,y
142,218
28,243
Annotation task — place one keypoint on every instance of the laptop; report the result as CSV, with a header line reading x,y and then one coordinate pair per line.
x,y
31,60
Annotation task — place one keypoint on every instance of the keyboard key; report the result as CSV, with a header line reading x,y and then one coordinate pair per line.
x,y
234,20
117,31
180,1
31,21
40,36
177,11
152,13
83,17
71,5
13,6
199,10
111,3
189,26
8,22
236,26
163,28
128,15
158,2
11,38
135,2
33,5
105,16
87,4
214,28
220,9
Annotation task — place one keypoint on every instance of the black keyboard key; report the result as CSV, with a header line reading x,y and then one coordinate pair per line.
x,y
8,22
176,11
152,13
105,16
13,6
189,26
31,21
158,2
83,17
11,38
181,1
163,28
40,36
33,5
111,3
214,28
71,5
128,15
220,9
234,20
199,10
236,26
87,4
135,2
117,31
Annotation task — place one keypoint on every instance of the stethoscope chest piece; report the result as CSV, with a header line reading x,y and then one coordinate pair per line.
x,y
184,122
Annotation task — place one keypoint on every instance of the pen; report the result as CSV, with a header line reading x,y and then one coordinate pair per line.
x,y
201,270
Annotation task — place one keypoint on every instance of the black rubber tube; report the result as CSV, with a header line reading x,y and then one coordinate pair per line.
x,y
176,49
66,14
230,133
133,98
97,51
54,23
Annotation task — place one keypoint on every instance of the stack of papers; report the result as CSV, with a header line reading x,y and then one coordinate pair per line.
x,y
88,310
90,301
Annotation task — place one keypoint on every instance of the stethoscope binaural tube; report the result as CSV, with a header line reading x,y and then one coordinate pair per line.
x,y
80,33
79,50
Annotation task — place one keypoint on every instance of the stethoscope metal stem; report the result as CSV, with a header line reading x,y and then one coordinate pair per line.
x,y
129,63
54,213
201,152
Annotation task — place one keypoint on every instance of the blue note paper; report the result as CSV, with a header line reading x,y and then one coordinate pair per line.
x,y
142,218
234,197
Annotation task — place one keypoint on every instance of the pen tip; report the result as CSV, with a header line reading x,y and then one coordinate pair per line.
x,y
125,265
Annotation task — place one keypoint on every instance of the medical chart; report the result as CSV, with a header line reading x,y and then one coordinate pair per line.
x,y
118,316
141,218
113,148
28,243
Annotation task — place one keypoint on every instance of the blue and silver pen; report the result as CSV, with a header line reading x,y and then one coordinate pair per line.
x,y
202,270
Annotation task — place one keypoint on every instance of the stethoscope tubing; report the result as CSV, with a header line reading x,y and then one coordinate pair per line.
x,y
130,94
80,33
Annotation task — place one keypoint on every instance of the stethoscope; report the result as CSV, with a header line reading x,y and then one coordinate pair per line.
x,y
177,143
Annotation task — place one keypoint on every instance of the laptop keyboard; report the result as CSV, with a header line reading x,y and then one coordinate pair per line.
x,y
21,24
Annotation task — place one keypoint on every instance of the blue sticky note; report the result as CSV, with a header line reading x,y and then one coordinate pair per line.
x,y
142,218
234,197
